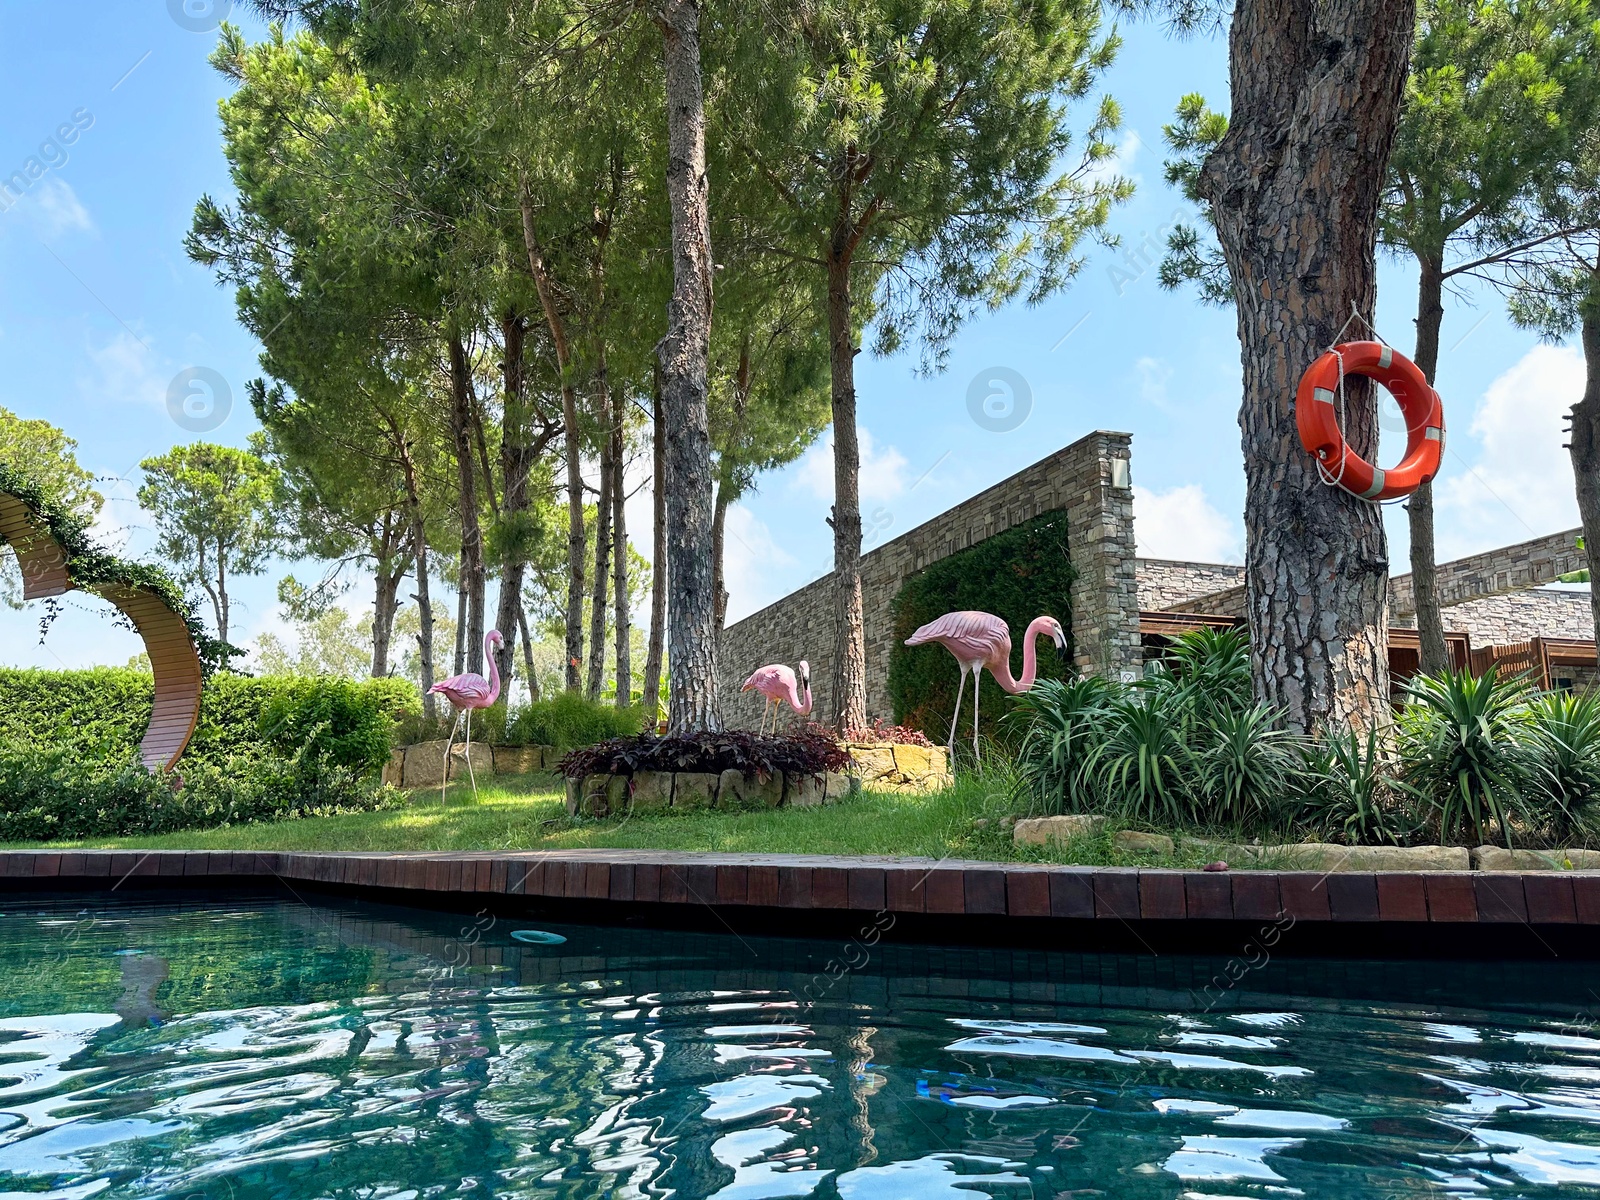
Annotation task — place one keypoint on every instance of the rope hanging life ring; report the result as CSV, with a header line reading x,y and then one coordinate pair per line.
x,y
1317,410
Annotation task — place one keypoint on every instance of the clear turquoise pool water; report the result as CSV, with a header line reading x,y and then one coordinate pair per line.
x,y
269,1048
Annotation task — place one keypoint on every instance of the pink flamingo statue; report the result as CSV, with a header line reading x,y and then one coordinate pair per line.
x,y
979,640
778,683
467,692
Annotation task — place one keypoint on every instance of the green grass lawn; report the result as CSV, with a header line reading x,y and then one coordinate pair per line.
x,y
528,813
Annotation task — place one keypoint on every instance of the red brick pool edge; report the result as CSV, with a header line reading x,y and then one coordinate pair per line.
x,y
823,884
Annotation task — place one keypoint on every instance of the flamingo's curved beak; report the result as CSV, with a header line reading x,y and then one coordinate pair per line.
x,y
1060,636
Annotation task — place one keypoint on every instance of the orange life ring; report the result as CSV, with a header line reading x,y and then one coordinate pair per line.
x,y
1316,414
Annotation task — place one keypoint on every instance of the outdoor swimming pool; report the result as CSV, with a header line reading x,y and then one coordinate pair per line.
x,y
266,1047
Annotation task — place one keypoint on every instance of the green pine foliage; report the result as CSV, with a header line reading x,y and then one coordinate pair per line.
x,y
1017,575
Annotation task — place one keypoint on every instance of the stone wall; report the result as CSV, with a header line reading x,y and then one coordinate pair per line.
x,y
1165,585
1495,572
1517,617
1089,480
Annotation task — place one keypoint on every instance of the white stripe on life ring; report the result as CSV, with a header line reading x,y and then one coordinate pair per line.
x,y
1377,486
1322,394
1434,434
1386,357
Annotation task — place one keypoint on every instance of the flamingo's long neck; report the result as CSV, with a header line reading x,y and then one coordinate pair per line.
x,y
494,670
1030,661
794,699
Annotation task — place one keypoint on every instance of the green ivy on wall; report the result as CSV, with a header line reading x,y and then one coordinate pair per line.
x,y
1017,575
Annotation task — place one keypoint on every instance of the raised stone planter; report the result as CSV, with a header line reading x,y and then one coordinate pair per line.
x,y
423,763
522,760
893,766
394,771
654,791
1498,858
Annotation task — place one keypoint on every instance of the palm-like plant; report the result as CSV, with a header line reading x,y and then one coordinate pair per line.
x,y
1563,740
1063,720
1144,763
1215,665
1460,743
1346,783
1246,764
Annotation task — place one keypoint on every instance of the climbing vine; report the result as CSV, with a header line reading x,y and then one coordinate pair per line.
x,y
1017,575
91,566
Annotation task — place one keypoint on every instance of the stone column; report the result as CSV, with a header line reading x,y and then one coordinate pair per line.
x,y
1105,594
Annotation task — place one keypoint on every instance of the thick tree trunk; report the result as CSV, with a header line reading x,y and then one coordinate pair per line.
x,y
1585,444
658,560
619,559
572,438
527,655
683,354
516,461
1294,189
419,560
1419,508
390,571
849,628
460,661
602,552
223,605
472,568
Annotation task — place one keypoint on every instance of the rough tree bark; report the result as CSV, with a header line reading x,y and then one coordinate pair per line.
x,y
602,549
574,443
516,461
619,581
391,570
658,557
1419,508
1294,189
683,354
1585,444
472,568
849,630
419,559
719,549
527,655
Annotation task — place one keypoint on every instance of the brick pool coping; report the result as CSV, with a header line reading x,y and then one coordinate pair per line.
x,y
665,880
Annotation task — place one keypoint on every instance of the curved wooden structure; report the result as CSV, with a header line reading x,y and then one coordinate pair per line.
x,y
174,659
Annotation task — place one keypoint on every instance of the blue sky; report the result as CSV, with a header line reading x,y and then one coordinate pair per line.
x,y
100,310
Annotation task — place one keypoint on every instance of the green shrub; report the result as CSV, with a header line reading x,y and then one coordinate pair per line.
x,y
1062,720
102,714
339,721
1461,750
568,721
1017,575
55,794
1346,791
1246,765
1563,737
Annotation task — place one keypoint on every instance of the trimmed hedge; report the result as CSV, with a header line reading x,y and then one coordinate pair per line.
x,y
101,714
809,753
55,794
1017,575
566,721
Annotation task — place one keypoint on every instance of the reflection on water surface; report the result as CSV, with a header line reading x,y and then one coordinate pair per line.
x,y
264,1047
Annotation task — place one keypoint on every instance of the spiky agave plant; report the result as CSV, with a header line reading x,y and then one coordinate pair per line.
x,y
1562,736
1214,664
1347,788
1144,763
1246,764
1062,720
1462,750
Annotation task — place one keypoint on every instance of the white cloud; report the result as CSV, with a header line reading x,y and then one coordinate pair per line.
x,y
883,472
125,371
53,209
1521,484
1181,524
753,564
1153,375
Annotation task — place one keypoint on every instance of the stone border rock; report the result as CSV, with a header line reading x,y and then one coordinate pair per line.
x,y
689,791
898,767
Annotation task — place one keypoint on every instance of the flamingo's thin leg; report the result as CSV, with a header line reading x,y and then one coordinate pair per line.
x,y
961,690
978,685
448,742
470,774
